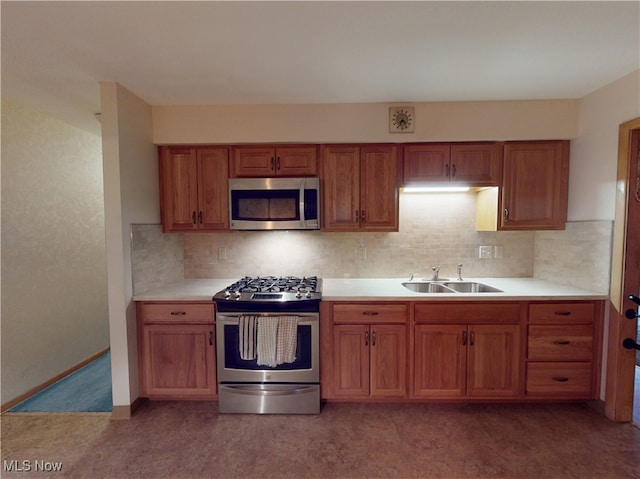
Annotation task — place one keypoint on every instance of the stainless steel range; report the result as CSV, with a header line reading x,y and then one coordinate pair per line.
x,y
267,338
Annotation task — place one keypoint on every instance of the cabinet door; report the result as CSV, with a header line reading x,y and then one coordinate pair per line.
x,y
379,188
178,189
493,360
341,188
427,163
296,161
440,367
388,361
213,196
256,161
351,360
476,164
535,189
178,361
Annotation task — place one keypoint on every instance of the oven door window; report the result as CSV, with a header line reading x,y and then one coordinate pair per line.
x,y
232,358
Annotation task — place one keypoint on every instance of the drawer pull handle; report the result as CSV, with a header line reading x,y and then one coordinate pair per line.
x,y
562,342
366,338
178,313
560,379
562,313
370,313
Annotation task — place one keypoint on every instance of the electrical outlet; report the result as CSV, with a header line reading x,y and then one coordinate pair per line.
x,y
485,252
222,254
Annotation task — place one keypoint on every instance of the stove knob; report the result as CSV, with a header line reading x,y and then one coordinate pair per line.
x,y
298,295
308,295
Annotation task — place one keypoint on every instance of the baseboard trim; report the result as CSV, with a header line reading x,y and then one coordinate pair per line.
x,y
23,397
119,413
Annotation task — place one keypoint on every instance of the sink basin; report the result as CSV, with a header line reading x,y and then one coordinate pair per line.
x,y
427,287
472,287
450,287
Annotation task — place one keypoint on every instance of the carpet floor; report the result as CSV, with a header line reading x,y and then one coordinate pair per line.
x,y
446,441
86,390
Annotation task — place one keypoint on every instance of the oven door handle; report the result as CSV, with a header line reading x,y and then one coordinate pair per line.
x,y
302,320
251,390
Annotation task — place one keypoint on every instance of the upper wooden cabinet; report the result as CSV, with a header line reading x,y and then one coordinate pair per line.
x,y
270,160
470,164
360,186
535,188
194,188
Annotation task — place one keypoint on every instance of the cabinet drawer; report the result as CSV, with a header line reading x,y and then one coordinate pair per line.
x,y
561,313
369,313
177,312
468,313
559,378
560,343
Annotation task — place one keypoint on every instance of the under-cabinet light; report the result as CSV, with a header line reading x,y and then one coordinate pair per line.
x,y
434,189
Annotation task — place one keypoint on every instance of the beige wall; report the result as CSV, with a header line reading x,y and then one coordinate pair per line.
x,y
367,122
594,153
54,301
131,196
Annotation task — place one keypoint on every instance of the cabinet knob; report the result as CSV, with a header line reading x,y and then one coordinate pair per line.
x,y
505,214
366,338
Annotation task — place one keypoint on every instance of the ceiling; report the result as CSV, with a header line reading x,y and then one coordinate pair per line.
x,y
235,52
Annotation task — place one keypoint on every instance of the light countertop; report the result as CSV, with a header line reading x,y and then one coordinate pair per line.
x,y
385,289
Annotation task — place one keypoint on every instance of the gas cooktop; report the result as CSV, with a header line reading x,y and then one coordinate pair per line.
x,y
272,289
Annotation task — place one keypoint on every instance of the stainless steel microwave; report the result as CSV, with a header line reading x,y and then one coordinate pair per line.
x,y
274,203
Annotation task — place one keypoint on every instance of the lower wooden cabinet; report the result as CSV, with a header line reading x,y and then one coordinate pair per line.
x,y
563,345
455,361
369,361
176,347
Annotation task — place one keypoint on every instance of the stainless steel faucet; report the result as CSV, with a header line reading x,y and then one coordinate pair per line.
x,y
436,271
459,272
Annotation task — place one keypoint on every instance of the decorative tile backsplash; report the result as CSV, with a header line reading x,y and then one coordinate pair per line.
x,y
157,258
579,256
435,229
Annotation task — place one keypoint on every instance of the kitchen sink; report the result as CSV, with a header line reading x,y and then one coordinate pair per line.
x,y
427,287
472,287
450,287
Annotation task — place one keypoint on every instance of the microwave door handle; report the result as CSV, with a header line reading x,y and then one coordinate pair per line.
x,y
303,220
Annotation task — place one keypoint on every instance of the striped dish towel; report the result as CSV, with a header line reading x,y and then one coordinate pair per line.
x,y
287,339
267,332
247,326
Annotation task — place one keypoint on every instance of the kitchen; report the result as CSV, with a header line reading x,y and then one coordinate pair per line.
x,y
286,246
141,126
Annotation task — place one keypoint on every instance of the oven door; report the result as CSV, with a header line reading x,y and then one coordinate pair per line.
x,y
232,368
